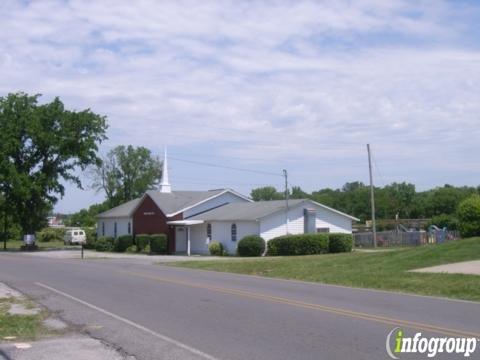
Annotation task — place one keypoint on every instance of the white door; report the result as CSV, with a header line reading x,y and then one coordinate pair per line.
x,y
180,239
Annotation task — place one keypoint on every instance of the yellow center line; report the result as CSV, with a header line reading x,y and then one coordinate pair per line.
x,y
312,306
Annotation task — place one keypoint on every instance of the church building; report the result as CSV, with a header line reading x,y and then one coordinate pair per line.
x,y
191,219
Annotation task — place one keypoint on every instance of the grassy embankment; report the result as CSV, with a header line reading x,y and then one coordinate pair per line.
x,y
385,270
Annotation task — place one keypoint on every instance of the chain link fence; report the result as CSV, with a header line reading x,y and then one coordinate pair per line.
x,y
400,238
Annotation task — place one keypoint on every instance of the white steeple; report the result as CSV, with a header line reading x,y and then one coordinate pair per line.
x,y
165,186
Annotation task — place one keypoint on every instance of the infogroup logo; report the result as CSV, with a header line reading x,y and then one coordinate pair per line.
x,y
397,343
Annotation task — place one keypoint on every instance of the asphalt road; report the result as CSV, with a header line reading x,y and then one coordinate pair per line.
x,y
161,312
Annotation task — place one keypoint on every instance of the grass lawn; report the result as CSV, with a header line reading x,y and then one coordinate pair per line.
x,y
15,245
386,270
21,327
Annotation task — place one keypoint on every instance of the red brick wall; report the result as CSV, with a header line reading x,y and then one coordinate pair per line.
x,y
149,219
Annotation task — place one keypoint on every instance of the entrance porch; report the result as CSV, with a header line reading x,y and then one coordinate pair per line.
x,y
183,236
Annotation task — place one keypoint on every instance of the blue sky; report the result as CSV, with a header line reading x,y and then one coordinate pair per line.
x,y
265,85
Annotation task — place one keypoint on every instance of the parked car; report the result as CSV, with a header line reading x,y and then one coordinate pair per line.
x,y
75,236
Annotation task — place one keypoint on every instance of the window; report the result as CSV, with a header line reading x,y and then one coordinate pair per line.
x,y
234,232
115,230
129,228
209,231
103,229
323,230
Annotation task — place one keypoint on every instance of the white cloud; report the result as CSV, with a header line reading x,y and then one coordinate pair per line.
x,y
311,80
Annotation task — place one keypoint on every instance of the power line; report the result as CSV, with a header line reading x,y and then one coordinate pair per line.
x,y
382,179
217,182
225,167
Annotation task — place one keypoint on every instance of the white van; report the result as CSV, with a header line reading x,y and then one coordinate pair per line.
x,y
75,236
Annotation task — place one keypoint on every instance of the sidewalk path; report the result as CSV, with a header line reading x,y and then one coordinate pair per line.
x,y
465,267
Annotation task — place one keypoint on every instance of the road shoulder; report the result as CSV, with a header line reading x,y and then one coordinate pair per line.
x,y
29,331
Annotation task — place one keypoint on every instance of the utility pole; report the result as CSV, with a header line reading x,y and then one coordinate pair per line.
x,y
4,226
286,199
372,197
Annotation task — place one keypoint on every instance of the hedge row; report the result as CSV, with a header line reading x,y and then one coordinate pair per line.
x,y
158,243
105,243
251,245
309,244
122,243
150,244
155,244
338,242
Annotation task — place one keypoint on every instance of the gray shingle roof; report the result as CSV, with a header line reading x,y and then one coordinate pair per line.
x,y
169,203
245,211
123,210
248,211
175,201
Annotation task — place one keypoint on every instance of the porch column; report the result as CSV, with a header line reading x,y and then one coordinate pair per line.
x,y
188,240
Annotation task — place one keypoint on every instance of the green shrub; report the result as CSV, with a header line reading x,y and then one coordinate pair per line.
x,y
105,243
123,242
50,234
251,245
216,248
158,243
469,216
131,249
301,244
338,243
91,234
142,240
146,249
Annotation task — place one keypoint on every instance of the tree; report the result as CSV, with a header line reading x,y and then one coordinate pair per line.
x,y
127,173
326,196
298,193
396,198
445,200
354,198
40,145
87,217
469,216
266,193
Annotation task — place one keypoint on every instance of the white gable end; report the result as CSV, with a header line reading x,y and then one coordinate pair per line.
x,y
220,200
274,225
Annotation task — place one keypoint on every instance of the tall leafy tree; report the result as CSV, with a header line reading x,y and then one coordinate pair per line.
x,y
40,145
126,172
396,198
298,193
87,217
266,193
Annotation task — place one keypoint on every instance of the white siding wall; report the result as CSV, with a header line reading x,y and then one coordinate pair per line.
x,y
122,226
213,203
274,225
198,239
221,232
335,222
